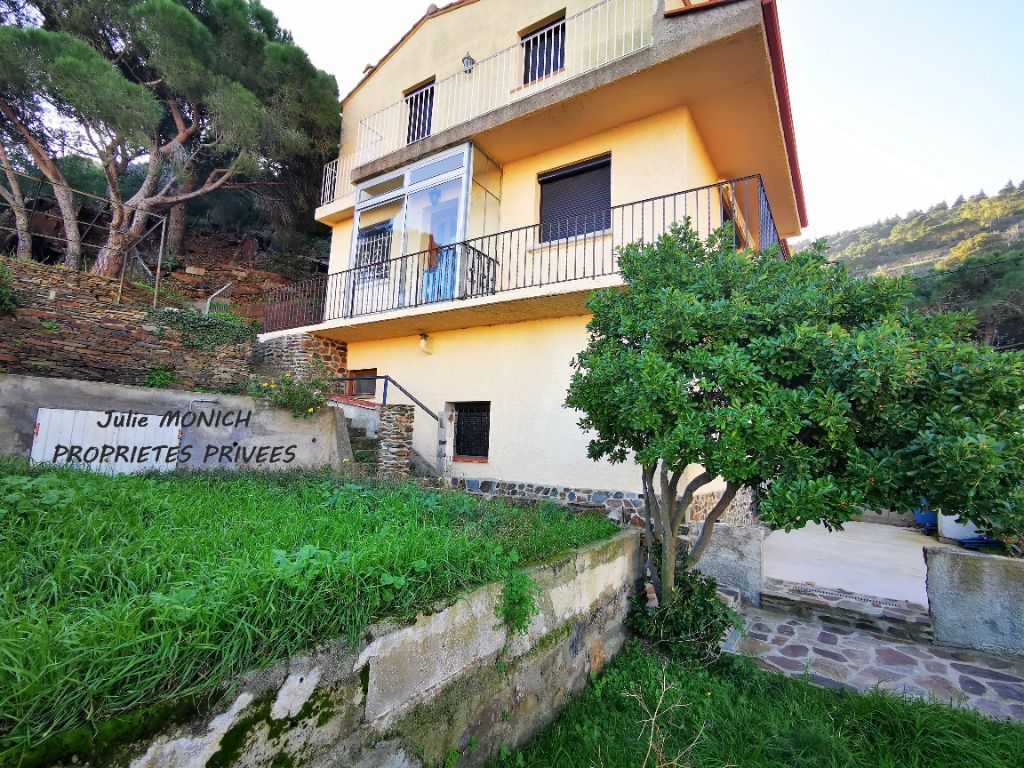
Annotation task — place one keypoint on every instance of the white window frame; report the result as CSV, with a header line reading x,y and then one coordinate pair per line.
x,y
465,172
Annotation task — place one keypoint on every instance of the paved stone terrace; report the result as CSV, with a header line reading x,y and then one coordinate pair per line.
x,y
839,656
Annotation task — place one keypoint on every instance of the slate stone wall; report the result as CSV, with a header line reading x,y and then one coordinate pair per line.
x,y
68,327
295,354
394,431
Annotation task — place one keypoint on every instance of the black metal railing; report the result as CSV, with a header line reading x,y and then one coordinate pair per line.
x,y
525,257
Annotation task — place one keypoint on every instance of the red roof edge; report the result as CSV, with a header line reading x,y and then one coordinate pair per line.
x,y
771,24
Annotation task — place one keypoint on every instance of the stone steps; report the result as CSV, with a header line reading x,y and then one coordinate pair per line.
x,y
365,449
836,608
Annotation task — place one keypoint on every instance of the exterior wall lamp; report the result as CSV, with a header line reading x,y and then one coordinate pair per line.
x,y
468,62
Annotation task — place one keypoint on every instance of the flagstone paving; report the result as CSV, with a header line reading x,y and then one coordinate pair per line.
x,y
843,657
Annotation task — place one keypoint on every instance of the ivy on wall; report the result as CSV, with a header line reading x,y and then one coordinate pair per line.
x,y
203,332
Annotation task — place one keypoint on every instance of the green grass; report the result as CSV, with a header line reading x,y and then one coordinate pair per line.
x,y
122,591
736,714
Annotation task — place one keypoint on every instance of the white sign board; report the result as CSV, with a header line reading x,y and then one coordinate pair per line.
x,y
104,441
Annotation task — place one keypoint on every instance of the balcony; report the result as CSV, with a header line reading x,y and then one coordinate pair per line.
x,y
547,267
554,54
336,186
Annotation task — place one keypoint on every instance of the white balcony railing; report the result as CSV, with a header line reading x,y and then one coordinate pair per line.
x,y
337,182
559,52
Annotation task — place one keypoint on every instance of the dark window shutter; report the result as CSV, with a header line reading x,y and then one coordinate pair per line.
x,y
576,200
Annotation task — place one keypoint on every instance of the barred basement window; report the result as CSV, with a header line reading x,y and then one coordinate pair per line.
x,y
472,431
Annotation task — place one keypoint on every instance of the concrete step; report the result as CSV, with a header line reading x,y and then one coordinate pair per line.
x,y
848,610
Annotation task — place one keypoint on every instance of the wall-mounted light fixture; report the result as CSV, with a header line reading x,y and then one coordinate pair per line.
x,y
468,62
423,344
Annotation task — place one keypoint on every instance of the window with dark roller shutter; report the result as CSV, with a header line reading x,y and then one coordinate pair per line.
x,y
576,199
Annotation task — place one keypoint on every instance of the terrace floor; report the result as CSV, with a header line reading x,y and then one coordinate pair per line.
x,y
865,558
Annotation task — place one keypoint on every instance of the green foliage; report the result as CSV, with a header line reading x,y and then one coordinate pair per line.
x,y
990,286
123,591
206,333
691,626
160,377
302,396
973,246
518,603
50,326
792,376
55,68
736,714
8,298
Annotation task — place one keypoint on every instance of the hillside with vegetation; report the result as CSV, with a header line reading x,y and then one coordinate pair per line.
x,y
968,256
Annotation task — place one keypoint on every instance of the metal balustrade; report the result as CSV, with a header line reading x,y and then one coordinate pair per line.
x,y
526,257
337,181
558,52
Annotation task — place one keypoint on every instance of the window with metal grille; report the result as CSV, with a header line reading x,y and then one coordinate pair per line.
x,y
373,251
576,199
364,383
544,51
472,430
421,112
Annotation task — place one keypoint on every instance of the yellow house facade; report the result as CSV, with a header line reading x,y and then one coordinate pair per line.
x,y
490,166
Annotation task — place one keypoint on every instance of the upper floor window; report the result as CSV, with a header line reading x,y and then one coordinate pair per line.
x,y
576,199
420,104
544,51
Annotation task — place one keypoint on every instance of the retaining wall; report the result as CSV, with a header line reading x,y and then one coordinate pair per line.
x,y
448,689
67,326
317,441
975,601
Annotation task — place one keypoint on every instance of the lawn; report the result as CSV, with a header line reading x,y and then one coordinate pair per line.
x,y
735,714
122,591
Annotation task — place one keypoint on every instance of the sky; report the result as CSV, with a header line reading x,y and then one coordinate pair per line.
x,y
897,104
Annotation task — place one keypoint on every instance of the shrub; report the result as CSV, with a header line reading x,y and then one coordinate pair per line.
x,y
8,298
692,625
160,377
302,396
518,601
207,333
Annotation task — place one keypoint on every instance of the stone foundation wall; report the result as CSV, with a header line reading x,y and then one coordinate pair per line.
x,y
624,507
621,506
394,431
295,354
448,689
68,327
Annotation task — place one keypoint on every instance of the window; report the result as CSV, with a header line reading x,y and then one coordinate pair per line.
x,y
544,51
373,251
420,102
472,431
364,383
576,199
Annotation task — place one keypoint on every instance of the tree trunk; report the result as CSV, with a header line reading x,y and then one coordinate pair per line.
x,y
112,254
176,221
16,200
708,529
119,241
72,237
65,200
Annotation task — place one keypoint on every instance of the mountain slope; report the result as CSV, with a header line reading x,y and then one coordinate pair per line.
x,y
942,236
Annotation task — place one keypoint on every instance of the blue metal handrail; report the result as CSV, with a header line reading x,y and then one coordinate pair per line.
x,y
384,394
